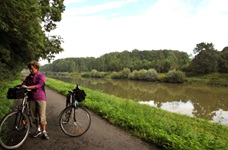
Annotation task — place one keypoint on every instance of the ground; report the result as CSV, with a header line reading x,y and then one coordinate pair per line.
x,y
101,135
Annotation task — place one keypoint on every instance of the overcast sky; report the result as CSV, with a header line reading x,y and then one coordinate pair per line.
x,y
96,27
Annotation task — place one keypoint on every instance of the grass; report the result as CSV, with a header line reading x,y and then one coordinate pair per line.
x,y
5,104
162,128
214,79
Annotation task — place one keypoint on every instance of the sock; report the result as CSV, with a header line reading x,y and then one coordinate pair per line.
x,y
39,129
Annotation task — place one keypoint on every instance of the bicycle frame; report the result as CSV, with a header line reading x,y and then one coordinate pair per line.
x,y
23,108
21,122
74,119
70,103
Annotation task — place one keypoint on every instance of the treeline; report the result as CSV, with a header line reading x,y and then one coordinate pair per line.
x,y
207,60
161,60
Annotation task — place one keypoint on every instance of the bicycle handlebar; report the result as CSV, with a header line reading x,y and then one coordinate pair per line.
x,y
23,87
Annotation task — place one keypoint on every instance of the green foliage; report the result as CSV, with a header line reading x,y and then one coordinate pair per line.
x,y
223,61
22,37
123,74
175,76
96,74
116,75
162,60
86,74
214,79
152,75
4,102
146,75
165,129
206,61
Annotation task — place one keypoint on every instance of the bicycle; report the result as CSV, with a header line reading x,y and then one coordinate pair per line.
x,y
74,120
15,126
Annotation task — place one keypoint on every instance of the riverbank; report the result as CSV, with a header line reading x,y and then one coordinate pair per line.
x,y
214,79
165,129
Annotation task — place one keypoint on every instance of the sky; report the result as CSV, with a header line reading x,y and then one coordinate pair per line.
x,y
92,28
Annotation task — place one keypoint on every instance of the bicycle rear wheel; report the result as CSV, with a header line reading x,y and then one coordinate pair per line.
x,y
14,129
74,122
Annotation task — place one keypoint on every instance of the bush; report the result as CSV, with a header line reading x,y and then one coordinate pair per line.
x,y
116,75
174,76
86,74
145,75
152,75
142,74
125,72
134,75
96,74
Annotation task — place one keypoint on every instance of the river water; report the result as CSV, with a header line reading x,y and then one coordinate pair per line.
x,y
205,102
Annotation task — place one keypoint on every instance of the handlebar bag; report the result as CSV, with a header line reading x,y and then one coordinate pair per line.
x,y
15,93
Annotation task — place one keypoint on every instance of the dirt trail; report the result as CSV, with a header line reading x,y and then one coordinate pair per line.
x,y
100,136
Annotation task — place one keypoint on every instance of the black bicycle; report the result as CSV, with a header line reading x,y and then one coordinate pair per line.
x,y
15,126
75,120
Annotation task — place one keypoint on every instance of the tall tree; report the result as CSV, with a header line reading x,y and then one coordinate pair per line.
x,y
22,36
206,61
223,61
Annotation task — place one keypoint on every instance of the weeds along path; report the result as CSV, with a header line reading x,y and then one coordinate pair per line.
x,y
100,136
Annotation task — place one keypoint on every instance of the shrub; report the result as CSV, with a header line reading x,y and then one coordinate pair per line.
x,y
174,76
134,75
142,74
86,74
116,75
96,74
125,72
152,75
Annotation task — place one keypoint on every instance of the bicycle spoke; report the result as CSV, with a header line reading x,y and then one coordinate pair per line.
x,y
75,125
13,130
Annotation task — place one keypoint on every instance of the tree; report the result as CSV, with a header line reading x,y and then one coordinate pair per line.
x,y
206,61
22,37
223,61
203,46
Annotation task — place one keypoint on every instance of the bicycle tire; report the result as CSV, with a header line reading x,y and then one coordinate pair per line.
x,y
75,128
14,129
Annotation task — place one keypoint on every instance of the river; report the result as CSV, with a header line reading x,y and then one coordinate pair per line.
x,y
205,102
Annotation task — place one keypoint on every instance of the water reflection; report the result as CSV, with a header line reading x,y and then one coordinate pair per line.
x,y
221,116
180,107
199,101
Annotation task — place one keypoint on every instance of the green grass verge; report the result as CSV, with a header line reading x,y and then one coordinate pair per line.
x,y
164,129
5,104
214,79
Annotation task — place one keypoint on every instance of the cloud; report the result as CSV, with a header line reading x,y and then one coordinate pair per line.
x,y
173,24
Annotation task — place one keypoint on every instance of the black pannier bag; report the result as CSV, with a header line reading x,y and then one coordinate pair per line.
x,y
16,92
79,94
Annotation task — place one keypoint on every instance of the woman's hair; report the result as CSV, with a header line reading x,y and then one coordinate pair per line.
x,y
35,64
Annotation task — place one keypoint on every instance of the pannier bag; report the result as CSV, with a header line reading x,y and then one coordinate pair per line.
x,y
16,92
79,94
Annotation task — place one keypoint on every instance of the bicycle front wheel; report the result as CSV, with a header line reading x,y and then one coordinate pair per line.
x,y
75,122
14,129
